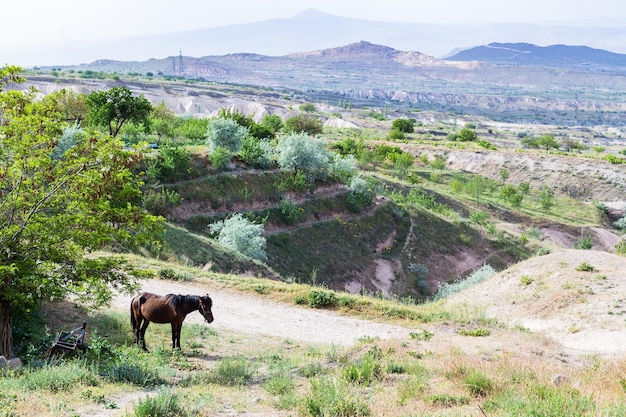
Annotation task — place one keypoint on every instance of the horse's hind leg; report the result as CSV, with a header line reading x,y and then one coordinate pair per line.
x,y
142,334
136,326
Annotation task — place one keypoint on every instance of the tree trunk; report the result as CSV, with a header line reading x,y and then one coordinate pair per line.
x,y
6,329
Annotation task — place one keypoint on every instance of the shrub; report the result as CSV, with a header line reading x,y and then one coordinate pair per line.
x,y
467,135
164,404
585,267
272,121
300,152
403,125
475,332
170,274
620,248
256,153
424,335
279,384
396,135
226,134
68,139
160,203
330,398
59,378
360,194
620,224
478,384
220,157
364,371
543,251
241,235
308,107
172,162
343,168
232,371
192,129
321,299
133,374
290,212
446,400
445,289
584,242
478,217
303,124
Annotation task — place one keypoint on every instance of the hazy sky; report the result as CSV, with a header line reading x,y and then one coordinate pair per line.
x,y
29,22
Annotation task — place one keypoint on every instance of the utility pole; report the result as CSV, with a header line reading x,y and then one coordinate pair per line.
x,y
180,62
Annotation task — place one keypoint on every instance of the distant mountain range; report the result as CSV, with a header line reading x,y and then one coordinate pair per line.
x,y
313,30
363,74
363,65
551,56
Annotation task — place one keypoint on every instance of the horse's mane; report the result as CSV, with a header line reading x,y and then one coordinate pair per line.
x,y
192,300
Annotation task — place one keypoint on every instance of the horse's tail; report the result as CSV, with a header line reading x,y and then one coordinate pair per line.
x,y
133,320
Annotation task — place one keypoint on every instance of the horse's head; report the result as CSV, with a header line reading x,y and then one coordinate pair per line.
x,y
204,306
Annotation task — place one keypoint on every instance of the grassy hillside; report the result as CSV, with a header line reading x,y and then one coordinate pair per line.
x,y
427,226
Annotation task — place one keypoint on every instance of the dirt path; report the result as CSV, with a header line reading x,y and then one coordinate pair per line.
x,y
254,315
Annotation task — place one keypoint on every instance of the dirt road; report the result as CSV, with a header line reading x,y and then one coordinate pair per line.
x,y
254,315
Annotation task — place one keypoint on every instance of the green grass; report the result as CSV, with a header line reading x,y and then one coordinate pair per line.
x,y
218,370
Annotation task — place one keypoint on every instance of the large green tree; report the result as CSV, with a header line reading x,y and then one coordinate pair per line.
x,y
56,212
114,107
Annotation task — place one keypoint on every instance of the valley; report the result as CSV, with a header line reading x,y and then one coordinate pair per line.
x,y
483,277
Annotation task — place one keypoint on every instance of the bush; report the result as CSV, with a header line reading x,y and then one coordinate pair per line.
x,y
59,378
396,135
192,129
68,139
160,203
226,134
467,134
329,398
620,224
256,153
321,299
279,384
303,124
343,168
164,404
478,384
585,267
290,212
171,164
233,371
300,152
360,195
364,371
133,374
403,125
308,107
482,274
584,242
220,157
241,235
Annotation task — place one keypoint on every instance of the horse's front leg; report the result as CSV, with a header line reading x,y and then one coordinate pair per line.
x,y
176,335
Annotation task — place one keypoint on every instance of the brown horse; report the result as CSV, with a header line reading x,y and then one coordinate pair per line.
x,y
170,308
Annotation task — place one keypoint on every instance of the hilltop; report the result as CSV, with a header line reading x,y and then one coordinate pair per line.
x,y
551,56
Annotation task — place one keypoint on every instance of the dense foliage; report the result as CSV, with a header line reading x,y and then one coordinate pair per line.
x,y
62,196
